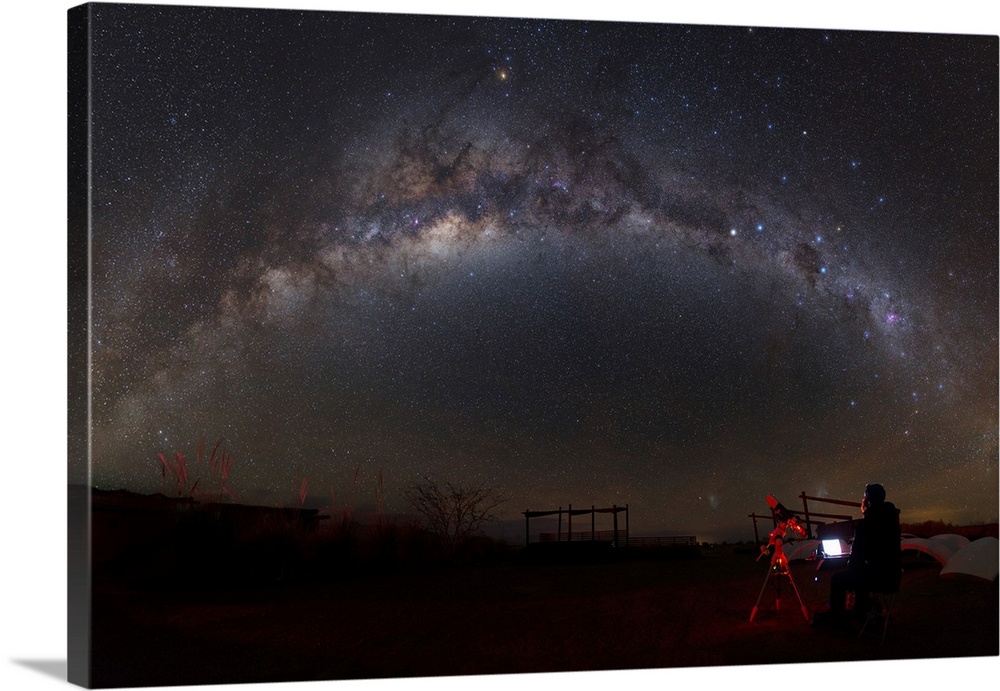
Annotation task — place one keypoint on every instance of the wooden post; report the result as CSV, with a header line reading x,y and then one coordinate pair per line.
x,y
756,535
593,513
805,510
626,526
559,527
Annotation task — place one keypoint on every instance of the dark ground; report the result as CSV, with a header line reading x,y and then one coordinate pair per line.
x,y
514,617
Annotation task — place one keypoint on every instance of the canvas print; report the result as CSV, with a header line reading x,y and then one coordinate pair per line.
x,y
411,345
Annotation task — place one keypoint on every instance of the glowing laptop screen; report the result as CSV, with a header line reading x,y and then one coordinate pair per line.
x,y
833,548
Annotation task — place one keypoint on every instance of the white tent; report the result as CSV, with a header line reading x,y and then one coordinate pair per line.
x,y
931,547
801,549
952,541
978,559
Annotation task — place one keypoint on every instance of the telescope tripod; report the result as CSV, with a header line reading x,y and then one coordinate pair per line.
x,y
779,566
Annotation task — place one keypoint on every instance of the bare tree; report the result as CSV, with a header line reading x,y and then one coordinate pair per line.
x,y
454,512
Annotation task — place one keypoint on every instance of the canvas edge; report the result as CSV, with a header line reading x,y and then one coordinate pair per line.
x,y
79,580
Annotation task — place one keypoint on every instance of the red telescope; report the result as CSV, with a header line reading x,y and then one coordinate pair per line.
x,y
779,508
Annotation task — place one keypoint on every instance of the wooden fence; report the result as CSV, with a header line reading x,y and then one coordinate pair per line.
x,y
629,541
809,519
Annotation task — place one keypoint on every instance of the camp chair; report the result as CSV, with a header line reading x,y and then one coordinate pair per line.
x,y
879,610
878,614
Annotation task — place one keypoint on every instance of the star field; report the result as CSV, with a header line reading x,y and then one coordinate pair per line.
x,y
677,266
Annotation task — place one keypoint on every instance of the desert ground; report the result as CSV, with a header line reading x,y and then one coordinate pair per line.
x,y
516,613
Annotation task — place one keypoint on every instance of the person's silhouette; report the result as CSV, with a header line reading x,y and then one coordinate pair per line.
x,y
874,564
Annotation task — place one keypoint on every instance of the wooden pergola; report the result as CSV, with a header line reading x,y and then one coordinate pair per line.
x,y
593,535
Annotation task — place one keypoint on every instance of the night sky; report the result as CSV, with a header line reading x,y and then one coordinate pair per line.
x,y
678,267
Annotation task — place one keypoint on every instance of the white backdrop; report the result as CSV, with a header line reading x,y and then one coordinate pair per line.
x,y
33,562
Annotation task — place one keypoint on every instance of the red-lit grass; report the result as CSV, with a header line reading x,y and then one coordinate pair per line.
x,y
218,466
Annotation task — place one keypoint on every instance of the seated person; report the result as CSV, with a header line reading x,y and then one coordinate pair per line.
x,y
874,564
